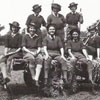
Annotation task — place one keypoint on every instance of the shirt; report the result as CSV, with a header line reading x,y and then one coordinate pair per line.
x,y
75,46
38,20
73,19
31,43
13,41
59,20
52,44
94,42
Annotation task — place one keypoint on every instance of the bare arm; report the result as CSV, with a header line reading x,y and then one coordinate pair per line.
x,y
70,53
98,53
85,53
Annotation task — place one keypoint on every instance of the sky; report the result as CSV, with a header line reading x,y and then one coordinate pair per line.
x,y
19,10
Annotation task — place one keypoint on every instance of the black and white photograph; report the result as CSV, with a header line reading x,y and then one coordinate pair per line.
x,y
49,50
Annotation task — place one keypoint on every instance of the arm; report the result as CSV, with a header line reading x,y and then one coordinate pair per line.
x,y
85,53
46,52
70,54
98,53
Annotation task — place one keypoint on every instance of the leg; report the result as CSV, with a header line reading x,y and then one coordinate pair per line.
x,y
30,58
64,66
39,62
47,64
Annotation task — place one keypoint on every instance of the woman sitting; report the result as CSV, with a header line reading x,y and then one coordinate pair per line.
x,y
53,49
31,44
77,51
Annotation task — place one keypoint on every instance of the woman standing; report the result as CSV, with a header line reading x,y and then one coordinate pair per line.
x,y
37,19
57,19
73,19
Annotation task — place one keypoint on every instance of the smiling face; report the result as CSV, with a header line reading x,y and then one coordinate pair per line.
x,y
75,35
51,30
32,30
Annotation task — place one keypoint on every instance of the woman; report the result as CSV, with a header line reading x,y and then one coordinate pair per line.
x,y
37,19
31,44
13,42
77,51
93,43
53,49
57,19
73,19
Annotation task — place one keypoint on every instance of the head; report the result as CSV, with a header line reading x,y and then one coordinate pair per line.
x,y
32,28
36,9
51,29
14,27
92,29
73,6
55,8
75,34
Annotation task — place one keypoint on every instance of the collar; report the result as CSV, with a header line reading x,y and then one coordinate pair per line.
x,y
35,35
55,15
36,15
51,36
13,35
75,40
73,13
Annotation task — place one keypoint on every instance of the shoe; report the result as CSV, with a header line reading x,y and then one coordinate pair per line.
x,y
5,81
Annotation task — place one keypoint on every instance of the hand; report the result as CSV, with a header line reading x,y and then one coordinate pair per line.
x,y
73,58
33,53
63,58
88,59
46,57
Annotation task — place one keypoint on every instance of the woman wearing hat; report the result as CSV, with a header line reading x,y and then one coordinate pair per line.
x,y
77,51
37,19
57,19
93,42
13,42
31,44
53,49
73,19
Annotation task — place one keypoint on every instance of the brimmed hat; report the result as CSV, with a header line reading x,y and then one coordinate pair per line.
x,y
36,6
15,24
92,27
32,24
55,5
73,4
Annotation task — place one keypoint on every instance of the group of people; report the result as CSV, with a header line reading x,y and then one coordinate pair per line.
x,y
38,47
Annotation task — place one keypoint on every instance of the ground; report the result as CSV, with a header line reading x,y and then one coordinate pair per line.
x,y
19,91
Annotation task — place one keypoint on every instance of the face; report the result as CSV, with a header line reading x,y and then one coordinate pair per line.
x,y
37,11
51,30
55,10
75,35
14,29
32,30
73,9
